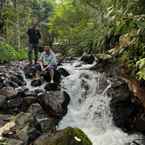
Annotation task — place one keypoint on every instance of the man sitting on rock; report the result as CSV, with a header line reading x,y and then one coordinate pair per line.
x,y
48,62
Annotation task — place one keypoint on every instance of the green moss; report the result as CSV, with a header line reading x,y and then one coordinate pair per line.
x,y
67,136
76,132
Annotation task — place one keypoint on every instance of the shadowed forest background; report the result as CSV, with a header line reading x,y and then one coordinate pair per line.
x,y
72,27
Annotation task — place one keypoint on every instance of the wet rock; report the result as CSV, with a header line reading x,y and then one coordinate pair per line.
x,y
14,105
29,71
68,136
2,101
36,83
88,59
8,92
1,82
54,103
139,122
27,102
123,107
51,87
4,118
57,76
65,103
119,89
63,72
18,79
46,123
30,93
10,83
26,127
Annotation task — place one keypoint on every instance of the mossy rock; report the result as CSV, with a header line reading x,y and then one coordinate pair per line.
x,y
103,56
10,141
68,136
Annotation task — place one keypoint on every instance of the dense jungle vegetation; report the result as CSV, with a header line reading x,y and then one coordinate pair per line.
x,y
112,27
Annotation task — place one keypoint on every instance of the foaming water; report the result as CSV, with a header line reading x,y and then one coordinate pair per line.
x,y
89,107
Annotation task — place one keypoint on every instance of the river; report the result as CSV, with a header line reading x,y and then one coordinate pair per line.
x,y
89,108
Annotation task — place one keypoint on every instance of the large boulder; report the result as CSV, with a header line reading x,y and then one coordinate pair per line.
x,y
68,136
51,87
27,127
54,103
8,92
46,123
123,106
63,72
57,76
18,79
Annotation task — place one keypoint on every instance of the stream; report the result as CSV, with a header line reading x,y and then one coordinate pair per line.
x,y
89,108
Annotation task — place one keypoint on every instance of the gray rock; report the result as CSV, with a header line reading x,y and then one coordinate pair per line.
x,y
26,127
68,136
51,87
46,123
8,92
2,101
36,83
63,72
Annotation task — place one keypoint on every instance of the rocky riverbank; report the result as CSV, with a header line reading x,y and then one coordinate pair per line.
x,y
127,95
30,113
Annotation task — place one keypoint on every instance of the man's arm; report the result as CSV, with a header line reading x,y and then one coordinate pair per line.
x,y
40,61
39,34
28,32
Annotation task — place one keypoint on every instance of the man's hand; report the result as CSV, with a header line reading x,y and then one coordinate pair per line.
x,y
44,69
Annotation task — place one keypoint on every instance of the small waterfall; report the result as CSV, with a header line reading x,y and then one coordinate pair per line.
x,y
89,108
28,83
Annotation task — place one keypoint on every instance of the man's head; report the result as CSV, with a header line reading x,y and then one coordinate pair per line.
x,y
47,49
34,23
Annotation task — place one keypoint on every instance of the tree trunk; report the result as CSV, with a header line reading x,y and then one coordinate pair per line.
x,y
17,28
2,2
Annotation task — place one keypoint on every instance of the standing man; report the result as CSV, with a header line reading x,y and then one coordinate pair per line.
x,y
34,37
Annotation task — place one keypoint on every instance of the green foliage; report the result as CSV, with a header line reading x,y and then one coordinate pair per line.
x,y
3,142
18,16
9,53
141,68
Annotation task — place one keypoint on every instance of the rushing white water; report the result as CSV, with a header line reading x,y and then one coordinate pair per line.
x,y
89,108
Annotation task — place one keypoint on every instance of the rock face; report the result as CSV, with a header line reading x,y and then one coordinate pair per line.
x,y
30,114
125,107
63,72
68,136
